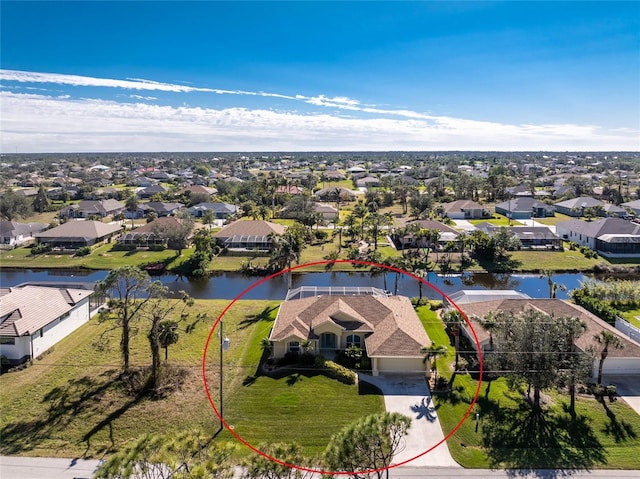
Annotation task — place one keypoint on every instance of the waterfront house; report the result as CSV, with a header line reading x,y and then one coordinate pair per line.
x,y
611,237
34,318
77,234
14,234
386,327
248,235
86,208
624,361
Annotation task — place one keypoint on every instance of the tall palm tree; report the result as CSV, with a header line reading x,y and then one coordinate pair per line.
x,y
168,335
453,319
431,354
606,339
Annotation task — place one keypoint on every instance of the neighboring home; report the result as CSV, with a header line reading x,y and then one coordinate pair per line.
x,y
614,211
329,194
620,361
634,206
531,237
141,211
220,210
14,234
248,235
76,234
410,240
334,175
150,191
289,190
576,206
34,318
525,208
387,328
198,190
88,208
164,209
152,234
465,210
612,237
368,182
327,212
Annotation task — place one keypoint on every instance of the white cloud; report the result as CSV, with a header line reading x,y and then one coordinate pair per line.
x,y
140,97
39,123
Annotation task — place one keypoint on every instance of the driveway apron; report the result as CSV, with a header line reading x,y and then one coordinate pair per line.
x,y
410,395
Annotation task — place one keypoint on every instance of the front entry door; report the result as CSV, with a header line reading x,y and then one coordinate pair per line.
x,y
327,341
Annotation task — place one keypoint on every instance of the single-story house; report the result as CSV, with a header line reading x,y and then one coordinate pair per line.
x,y
328,212
410,240
576,206
153,233
14,234
387,328
88,208
334,175
248,235
465,210
531,237
619,361
220,210
368,182
34,318
330,194
149,191
612,237
524,208
634,206
198,189
289,190
76,234
163,208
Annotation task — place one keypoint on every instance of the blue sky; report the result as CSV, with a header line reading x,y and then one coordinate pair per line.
x,y
309,76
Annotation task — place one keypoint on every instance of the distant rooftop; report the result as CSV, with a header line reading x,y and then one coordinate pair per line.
x,y
468,296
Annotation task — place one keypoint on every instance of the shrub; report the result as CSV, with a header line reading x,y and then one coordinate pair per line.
x,y
340,373
84,251
40,248
157,247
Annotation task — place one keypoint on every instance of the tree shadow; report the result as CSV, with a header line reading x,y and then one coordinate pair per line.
x,y
529,439
619,430
264,315
81,401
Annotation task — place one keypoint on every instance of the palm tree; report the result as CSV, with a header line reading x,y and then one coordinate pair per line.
x,y
168,335
453,319
266,345
606,339
431,354
208,218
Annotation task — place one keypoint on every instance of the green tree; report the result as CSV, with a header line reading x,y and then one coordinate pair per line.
x,y
260,467
208,218
431,355
606,340
453,319
41,201
366,447
127,290
13,205
187,455
131,205
168,335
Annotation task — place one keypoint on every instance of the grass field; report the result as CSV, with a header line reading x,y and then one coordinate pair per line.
x,y
70,403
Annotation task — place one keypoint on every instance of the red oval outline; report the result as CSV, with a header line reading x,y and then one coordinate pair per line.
x,y
324,262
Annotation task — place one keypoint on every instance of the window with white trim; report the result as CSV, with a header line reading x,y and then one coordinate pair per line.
x,y
353,340
294,347
6,340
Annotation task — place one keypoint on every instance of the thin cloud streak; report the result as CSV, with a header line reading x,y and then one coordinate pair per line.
x,y
40,123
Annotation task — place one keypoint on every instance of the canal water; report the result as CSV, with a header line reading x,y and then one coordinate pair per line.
x,y
230,285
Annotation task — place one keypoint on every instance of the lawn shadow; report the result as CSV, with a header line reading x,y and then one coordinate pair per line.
x,y
528,439
264,315
77,401
619,430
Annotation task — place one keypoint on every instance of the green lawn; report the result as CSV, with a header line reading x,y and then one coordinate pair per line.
x,y
497,220
71,404
631,316
603,436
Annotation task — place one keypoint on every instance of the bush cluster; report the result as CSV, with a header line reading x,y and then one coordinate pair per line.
x,y
596,306
335,371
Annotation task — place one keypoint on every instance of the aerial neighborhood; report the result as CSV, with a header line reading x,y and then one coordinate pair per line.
x,y
500,292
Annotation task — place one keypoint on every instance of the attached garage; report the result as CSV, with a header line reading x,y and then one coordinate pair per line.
x,y
396,365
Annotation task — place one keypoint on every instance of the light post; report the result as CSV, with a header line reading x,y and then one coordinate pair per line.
x,y
224,345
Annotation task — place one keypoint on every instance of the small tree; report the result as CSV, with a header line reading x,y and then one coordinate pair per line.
x,y
168,335
453,319
606,339
431,355
260,467
366,447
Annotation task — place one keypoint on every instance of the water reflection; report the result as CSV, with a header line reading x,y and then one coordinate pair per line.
x,y
230,285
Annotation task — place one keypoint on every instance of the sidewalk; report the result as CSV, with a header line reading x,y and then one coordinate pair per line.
x,y
409,395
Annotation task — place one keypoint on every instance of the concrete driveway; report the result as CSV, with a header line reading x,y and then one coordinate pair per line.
x,y
409,395
627,387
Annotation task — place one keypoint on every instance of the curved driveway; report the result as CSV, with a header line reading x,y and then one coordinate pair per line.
x,y
409,395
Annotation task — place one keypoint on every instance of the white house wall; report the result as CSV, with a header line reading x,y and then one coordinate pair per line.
x,y
617,367
57,330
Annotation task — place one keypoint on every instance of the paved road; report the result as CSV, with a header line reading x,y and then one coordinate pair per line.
x,y
409,395
42,467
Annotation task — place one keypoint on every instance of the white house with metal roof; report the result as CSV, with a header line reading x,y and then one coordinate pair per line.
x,y
34,318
